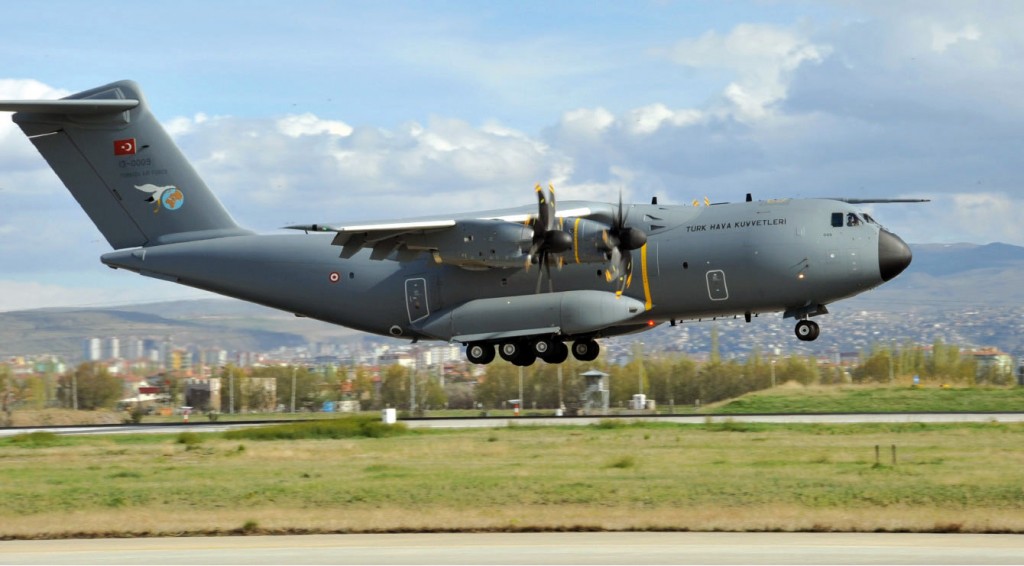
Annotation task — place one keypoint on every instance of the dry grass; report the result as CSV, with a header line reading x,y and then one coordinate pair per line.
x,y
65,417
510,518
769,478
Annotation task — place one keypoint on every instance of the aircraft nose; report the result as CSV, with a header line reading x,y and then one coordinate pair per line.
x,y
893,255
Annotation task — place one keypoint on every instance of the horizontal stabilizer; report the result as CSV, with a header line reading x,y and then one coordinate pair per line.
x,y
881,200
68,106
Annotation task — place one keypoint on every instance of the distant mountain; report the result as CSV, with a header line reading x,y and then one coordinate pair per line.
x,y
946,259
223,323
954,276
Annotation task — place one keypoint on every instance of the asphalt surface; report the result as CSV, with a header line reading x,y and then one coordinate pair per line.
x,y
532,548
830,418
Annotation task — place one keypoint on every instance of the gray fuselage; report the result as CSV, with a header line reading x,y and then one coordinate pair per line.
x,y
699,262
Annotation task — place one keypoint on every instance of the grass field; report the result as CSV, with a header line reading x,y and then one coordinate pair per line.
x,y
783,399
865,399
729,476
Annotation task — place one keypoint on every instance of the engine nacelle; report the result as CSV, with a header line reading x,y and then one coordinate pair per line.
x,y
588,241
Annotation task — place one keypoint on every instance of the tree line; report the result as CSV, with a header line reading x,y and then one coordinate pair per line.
x,y
667,379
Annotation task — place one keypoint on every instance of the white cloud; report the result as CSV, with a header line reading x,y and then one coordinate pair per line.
x,y
989,217
943,38
587,123
308,125
760,56
277,174
182,125
648,119
29,89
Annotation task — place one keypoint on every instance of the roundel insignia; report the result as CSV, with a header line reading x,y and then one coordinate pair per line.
x,y
334,277
172,199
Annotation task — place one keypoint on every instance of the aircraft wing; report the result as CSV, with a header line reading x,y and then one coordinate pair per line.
x,y
497,238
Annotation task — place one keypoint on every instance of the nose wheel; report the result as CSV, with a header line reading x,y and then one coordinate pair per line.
x,y
807,330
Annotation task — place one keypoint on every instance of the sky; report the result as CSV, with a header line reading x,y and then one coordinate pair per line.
x,y
353,111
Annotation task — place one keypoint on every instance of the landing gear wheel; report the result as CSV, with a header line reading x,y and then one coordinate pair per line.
x,y
524,358
542,347
558,353
480,353
585,350
509,351
807,330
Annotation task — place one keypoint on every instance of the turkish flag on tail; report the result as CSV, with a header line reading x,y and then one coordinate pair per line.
x,y
124,147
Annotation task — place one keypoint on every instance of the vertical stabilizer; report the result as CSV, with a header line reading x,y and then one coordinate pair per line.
x,y
122,167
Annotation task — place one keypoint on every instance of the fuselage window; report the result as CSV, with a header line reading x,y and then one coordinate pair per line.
x,y
837,219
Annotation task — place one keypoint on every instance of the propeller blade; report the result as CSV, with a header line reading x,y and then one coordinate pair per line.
x,y
551,282
627,278
540,274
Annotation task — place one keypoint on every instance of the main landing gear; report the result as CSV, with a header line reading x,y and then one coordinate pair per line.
x,y
807,330
525,352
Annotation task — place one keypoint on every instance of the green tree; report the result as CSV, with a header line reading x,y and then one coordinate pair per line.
x,y
499,384
796,368
874,368
363,388
659,379
6,395
684,385
394,387
757,371
309,391
96,388
434,396
233,381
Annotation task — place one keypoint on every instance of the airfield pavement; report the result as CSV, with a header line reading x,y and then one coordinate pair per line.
x,y
531,548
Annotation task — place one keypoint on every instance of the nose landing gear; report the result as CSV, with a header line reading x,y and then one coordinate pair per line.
x,y
807,330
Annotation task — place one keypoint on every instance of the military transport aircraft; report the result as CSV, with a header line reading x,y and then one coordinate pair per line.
x,y
524,281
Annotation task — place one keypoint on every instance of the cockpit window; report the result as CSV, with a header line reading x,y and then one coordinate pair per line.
x,y
837,219
852,220
869,219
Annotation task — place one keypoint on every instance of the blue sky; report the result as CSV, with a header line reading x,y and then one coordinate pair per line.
x,y
342,111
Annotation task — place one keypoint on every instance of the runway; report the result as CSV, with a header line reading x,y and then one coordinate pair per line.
x,y
531,548
494,422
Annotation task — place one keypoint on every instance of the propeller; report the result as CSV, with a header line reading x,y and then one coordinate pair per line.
x,y
619,240
547,237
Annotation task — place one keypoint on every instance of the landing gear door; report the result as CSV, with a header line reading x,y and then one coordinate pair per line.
x,y
416,301
717,289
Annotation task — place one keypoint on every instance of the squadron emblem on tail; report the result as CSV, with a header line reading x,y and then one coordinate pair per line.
x,y
169,196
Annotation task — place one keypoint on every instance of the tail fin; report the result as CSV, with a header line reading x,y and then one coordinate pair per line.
x,y
122,167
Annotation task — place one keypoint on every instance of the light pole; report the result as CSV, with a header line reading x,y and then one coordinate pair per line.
x,y
561,405
773,373
412,383
293,389
638,354
521,403
891,354
231,391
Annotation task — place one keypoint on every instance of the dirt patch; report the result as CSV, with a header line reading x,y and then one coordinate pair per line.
x,y
65,417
